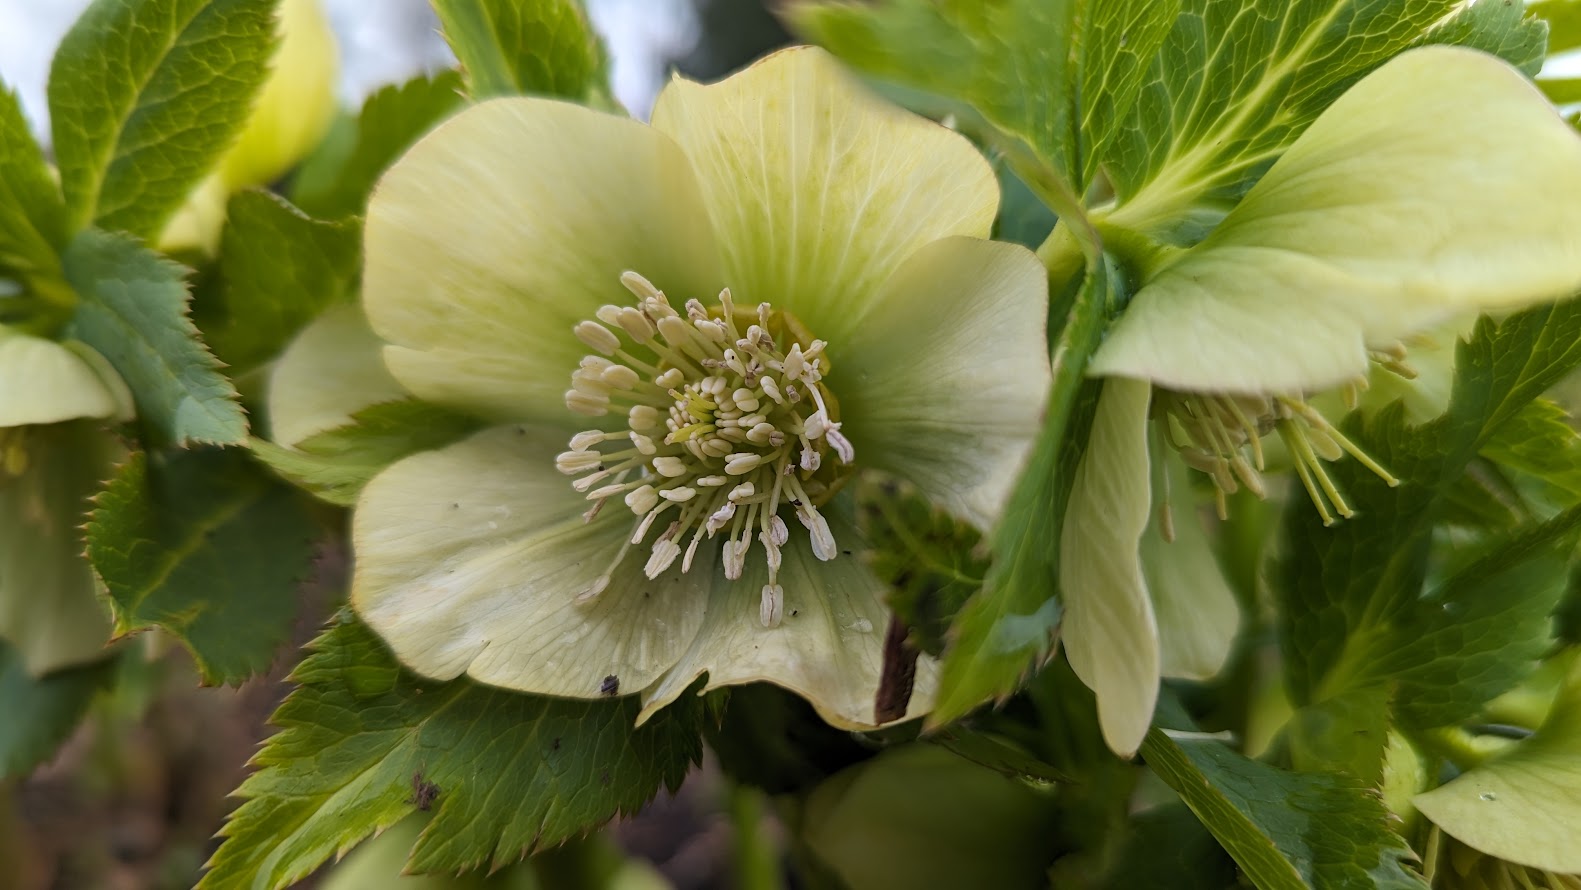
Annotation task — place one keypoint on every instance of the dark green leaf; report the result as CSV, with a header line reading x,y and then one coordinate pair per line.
x,y
1008,628
205,547
133,309
1166,847
505,774
512,47
1351,596
144,97
930,559
337,178
1022,217
1347,733
1540,440
336,464
278,269
40,712
1287,831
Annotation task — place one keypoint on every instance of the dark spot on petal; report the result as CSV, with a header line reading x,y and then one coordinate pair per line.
x,y
610,686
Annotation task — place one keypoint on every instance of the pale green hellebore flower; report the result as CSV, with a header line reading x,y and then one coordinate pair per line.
x,y
290,115
52,458
1430,189
677,512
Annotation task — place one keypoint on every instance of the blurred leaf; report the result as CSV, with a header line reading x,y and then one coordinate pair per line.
x,y
205,547
515,47
1344,734
1287,831
1351,598
337,178
32,213
1166,847
1008,628
41,712
363,744
1022,218
278,268
133,309
1564,22
335,464
144,97
1540,440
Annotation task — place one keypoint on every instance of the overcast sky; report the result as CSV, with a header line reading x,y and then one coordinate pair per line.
x,y
381,42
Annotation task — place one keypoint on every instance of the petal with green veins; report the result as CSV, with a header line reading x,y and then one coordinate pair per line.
x,y
944,382
819,190
48,382
1427,190
505,227
470,560
1109,631
333,369
828,647
1195,610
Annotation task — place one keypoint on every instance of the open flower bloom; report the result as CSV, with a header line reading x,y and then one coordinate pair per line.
x,y
52,457
1425,192
689,335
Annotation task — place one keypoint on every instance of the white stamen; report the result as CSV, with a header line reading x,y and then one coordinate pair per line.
x,y
741,463
643,417
772,608
598,337
585,440
679,495
643,499
664,553
841,445
586,404
672,467
573,462
621,377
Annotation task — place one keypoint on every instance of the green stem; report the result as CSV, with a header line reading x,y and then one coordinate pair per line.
x,y
756,861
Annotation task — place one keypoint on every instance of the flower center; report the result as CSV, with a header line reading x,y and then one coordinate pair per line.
x,y
728,425
1216,433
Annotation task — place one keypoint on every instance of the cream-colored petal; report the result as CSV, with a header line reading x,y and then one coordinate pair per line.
x,y
48,382
1193,605
944,383
508,225
470,560
818,189
1109,633
1427,190
333,369
828,647
50,608
1522,806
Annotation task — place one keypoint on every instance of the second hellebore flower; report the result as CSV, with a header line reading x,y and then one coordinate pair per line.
x,y
1425,192
781,280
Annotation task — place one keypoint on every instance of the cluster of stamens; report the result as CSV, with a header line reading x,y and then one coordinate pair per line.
x,y
727,423
1221,435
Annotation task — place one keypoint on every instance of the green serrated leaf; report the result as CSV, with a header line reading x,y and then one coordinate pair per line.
x,y
1287,831
132,308
144,97
1234,84
516,47
1502,29
41,712
363,743
337,178
32,213
204,546
929,558
1344,734
1540,440
1008,628
278,269
336,464
1351,596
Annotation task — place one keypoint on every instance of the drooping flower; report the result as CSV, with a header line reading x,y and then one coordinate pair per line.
x,y
1423,193
52,457
781,280
292,112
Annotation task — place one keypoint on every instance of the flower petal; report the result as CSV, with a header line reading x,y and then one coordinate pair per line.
x,y
332,370
828,647
506,226
1522,806
944,382
471,558
1193,605
1109,632
48,382
1427,190
49,600
818,189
